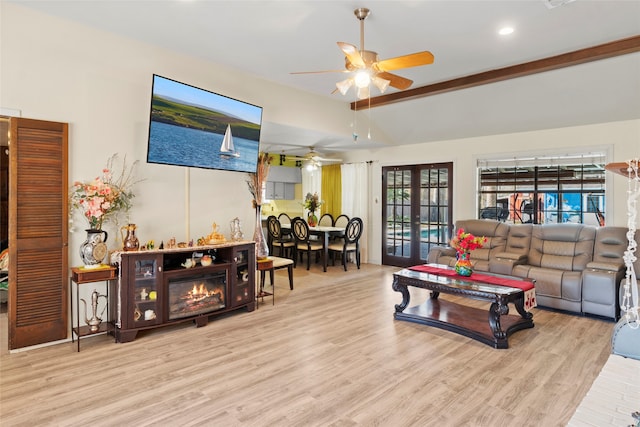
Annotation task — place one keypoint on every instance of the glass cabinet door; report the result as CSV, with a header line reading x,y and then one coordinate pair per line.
x,y
146,291
243,288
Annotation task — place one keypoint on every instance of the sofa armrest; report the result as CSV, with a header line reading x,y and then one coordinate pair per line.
x,y
606,266
437,252
503,262
516,258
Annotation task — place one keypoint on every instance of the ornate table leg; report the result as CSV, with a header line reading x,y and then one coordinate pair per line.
x,y
402,288
519,303
496,310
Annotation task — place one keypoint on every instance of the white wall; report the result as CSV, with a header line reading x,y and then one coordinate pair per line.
x,y
100,83
622,139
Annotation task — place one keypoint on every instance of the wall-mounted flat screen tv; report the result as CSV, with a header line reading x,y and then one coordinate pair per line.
x,y
194,127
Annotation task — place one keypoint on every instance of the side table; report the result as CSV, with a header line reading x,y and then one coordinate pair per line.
x,y
263,265
81,276
270,264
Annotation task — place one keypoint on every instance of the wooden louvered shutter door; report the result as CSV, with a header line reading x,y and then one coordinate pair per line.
x,y
38,258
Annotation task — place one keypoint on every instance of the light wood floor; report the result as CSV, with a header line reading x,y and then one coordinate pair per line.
x,y
328,353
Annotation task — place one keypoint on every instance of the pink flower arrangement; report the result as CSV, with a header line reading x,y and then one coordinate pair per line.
x,y
467,242
104,196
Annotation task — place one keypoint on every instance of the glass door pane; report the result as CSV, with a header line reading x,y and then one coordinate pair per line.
x,y
398,212
417,208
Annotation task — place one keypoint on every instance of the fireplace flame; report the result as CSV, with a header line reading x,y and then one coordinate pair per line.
x,y
196,295
201,291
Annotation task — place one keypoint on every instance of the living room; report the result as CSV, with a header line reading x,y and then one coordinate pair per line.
x,y
100,83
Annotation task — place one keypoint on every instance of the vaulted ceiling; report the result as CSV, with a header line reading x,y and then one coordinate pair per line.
x,y
273,38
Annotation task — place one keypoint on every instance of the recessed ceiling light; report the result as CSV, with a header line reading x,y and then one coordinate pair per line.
x,y
551,4
505,31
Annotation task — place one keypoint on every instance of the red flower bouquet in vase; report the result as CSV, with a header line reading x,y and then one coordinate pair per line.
x,y
464,243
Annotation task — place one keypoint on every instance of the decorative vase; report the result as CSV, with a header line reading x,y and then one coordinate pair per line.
x,y
130,241
93,250
312,220
236,230
463,264
262,250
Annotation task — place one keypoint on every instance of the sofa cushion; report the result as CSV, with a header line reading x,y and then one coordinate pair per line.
x,y
519,239
496,233
552,282
561,246
609,248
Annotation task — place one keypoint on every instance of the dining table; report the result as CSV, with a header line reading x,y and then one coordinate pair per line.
x,y
323,232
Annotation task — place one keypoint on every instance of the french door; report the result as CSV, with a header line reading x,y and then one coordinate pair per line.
x,y
417,210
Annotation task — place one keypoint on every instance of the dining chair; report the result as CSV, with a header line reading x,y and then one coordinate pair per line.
x,y
326,220
341,221
277,239
300,231
349,243
285,220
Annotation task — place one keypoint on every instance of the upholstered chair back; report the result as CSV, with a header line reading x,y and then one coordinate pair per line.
x,y
610,245
519,239
496,233
564,246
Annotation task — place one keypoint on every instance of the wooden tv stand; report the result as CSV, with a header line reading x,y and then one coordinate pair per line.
x,y
154,288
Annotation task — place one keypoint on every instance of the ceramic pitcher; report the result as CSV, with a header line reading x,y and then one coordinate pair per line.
x,y
130,241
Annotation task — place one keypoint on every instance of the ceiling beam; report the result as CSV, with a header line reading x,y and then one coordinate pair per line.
x,y
582,56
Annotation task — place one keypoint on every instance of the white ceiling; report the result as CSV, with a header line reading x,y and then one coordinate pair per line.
x,y
273,38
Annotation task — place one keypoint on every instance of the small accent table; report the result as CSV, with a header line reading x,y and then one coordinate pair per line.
x,y
492,328
271,264
80,276
263,265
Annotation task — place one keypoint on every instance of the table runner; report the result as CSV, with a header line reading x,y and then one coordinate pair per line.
x,y
527,287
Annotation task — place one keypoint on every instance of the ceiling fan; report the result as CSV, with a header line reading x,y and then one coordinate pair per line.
x,y
313,159
369,69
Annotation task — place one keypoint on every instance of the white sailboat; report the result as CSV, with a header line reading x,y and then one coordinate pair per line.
x,y
227,149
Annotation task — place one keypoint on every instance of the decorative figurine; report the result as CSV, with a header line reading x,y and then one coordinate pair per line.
x,y
236,230
215,236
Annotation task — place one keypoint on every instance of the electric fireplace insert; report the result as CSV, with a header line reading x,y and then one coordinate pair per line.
x,y
197,294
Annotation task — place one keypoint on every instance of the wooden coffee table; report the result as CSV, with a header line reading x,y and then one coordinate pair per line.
x,y
491,327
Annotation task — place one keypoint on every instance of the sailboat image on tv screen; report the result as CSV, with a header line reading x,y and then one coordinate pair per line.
x,y
227,150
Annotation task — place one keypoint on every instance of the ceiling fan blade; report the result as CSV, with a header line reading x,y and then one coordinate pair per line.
x,y
318,72
353,54
396,81
324,159
406,61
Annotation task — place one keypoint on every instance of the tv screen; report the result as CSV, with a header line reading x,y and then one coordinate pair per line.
x,y
193,127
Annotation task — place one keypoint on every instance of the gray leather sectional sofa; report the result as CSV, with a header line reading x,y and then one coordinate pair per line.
x,y
577,268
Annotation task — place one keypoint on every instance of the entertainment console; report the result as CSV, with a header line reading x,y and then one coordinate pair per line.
x,y
158,287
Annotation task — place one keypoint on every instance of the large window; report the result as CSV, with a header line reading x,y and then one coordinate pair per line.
x,y
543,190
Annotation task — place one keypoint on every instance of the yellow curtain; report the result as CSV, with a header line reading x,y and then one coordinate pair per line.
x,y
331,190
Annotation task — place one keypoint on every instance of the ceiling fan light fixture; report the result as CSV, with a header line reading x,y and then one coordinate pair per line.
x,y
362,79
311,165
380,83
344,85
363,92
